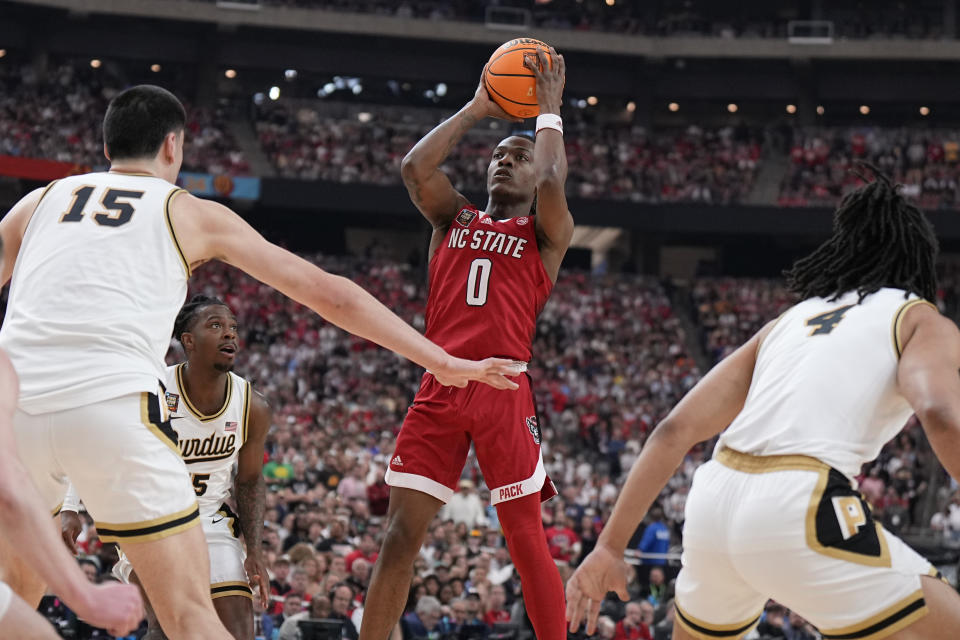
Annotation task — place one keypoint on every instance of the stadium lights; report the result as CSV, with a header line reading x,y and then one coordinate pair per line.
x,y
732,108
631,106
592,101
95,63
357,88
155,68
820,110
364,116
274,93
791,109
924,111
864,109
230,73
441,89
673,106
290,74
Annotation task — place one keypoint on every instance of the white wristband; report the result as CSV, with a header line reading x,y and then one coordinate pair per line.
x,y
549,121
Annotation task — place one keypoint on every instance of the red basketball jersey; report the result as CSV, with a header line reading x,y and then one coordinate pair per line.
x,y
487,287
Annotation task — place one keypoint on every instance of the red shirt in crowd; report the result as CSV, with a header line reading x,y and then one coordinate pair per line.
x,y
561,541
640,632
356,553
498,615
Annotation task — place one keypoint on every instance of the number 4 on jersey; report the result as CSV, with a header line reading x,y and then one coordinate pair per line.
x,y
827,322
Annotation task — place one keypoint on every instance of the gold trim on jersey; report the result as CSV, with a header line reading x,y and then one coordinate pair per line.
x,y
224,589
763,340
768,464
883,560
46,190
43,195
168,436
234,519
898,320
708,631
57,509
892,619
935,573
148,530
173,234
248,391
190,406
142,174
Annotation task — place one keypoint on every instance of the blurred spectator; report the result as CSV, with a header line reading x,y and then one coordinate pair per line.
x,y
656,538
424,621
633,626
465,506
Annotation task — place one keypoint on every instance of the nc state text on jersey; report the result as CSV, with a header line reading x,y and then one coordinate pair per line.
x,y
492,241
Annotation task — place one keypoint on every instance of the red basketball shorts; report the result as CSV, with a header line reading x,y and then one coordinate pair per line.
x,y
442,422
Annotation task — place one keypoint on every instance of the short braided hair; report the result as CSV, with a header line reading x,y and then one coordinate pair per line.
x,y
188,313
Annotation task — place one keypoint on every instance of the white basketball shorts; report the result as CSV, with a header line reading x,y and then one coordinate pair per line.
x,y
792,529
122,457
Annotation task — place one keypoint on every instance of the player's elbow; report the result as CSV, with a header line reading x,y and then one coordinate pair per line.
x,y
938,416
551,176
411,169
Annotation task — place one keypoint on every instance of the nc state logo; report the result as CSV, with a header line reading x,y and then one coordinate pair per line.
x,y
534,428
522,220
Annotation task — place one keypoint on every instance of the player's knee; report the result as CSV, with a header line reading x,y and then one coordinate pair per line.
x,y
402,535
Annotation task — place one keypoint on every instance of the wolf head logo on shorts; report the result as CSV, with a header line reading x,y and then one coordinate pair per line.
x,y
534,428
173,401
465,217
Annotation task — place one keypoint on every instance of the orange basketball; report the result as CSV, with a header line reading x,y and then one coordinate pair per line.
x,y
509,83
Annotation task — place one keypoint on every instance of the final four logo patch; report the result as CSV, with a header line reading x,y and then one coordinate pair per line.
x,y
173,401
465,217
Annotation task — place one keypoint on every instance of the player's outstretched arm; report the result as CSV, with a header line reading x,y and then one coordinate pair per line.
x,y
554,222
928,378
252,491
210,231
703,413
28,526
429,188
12,228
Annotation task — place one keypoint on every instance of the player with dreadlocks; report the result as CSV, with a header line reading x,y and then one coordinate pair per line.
x,y
802,406
220,422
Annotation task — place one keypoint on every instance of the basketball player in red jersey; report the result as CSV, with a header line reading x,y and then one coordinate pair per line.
x,y
490,274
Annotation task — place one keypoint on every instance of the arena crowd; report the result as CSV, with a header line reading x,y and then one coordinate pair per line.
x,y
610,360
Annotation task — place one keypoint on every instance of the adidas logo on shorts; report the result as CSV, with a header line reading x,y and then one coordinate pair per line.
x,y
396,462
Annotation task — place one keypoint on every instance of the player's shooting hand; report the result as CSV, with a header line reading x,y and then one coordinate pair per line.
x,y
551,73
257,575
70,528
601,571
485,104
112,606
457,372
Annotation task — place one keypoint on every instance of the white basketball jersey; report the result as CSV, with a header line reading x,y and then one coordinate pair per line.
x,y
209,444
825,382
96,287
